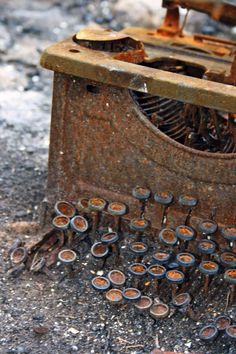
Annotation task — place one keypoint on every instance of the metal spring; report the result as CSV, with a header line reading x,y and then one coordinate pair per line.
x,y
197,127
185,123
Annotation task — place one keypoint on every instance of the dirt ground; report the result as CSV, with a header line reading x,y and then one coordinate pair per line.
x,y
76,319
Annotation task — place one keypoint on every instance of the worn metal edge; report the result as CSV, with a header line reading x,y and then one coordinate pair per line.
x,y
100,67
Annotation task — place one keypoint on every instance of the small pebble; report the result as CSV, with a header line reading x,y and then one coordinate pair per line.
x,y
22,350
74,348
73,330
20,213
41,330
188,344
38,317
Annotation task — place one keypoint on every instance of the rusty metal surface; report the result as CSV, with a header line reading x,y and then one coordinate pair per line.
x,y
117,44
172,31
219,10
171,25
194,46
107,143
101,144
94,34
70,58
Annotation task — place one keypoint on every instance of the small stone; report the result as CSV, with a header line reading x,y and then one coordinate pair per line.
x,y
74,348
22,350
100,272
41,329
188,344
38,317
141,12
209,30
5,39
21,213
73,330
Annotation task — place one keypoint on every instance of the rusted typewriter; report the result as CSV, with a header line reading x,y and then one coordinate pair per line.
x,y
148,107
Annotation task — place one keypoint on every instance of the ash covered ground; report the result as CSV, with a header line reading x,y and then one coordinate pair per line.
x,y
77,320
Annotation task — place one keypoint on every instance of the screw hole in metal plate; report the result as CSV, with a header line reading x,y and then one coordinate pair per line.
x,y
74,50
93,89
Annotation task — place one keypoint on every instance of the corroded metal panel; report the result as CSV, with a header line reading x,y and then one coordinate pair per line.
x,y
101,144
70,58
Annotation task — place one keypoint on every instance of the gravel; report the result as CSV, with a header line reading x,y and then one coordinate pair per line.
x,y
77,319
